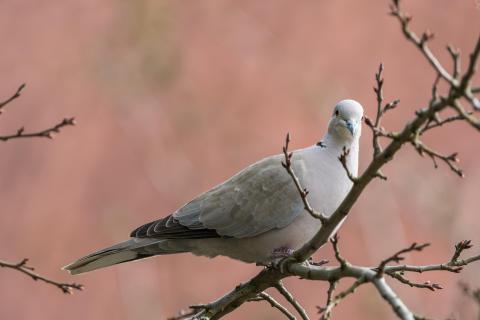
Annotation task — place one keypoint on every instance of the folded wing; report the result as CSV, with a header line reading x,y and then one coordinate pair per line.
x,y
260,198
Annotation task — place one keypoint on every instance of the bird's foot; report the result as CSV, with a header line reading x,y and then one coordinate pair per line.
x,y
282,257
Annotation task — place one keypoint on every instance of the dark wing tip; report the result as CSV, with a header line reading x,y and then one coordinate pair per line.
x,y
141,231
170,228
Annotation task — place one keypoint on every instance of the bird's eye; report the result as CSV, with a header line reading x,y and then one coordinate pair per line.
x,y
337,113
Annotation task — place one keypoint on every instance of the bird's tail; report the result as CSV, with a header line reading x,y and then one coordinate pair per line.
x,y
133,249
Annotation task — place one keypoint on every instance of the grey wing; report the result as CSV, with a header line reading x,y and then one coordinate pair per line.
x,y
260,198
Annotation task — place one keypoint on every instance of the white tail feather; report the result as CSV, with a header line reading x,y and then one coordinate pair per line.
x,y
100,261
129,250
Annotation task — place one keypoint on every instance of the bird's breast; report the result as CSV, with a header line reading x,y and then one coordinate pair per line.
x,y
327,183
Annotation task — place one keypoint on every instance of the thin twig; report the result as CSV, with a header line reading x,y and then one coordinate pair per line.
x,y
420,42
426,285
47,133
464,87
459,248
22,266
434,99
333,302
455,264
449,160
326,312
343,160
397,257
472,65
15,96
455,54
291,299
435,90
287,164
440,122
379,93
377,130
338,256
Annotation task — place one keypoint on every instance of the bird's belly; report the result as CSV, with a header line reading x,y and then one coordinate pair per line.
x,y
260,248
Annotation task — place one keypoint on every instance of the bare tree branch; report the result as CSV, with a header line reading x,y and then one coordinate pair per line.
x,y
377,130
426,285
450,160
455,54
426,119
455,264
459,248
47,133
22,266
336,250
270,278
397,257
240,294
379,93
421,43
326,312
465,84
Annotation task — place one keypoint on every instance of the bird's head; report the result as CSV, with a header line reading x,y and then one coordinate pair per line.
x,y
346,122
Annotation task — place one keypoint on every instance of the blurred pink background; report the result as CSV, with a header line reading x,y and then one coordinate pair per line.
x,y
173,97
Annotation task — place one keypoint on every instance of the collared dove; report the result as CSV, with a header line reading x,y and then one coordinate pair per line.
x,y
257,215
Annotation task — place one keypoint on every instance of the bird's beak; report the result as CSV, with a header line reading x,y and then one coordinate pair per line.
x,y
351,126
